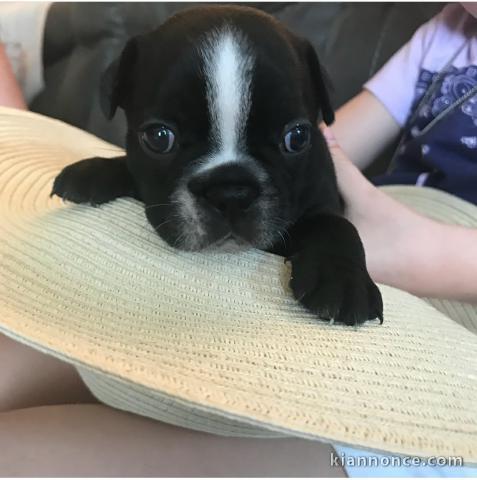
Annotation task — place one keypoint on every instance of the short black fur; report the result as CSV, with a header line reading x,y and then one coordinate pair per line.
x,y
159,77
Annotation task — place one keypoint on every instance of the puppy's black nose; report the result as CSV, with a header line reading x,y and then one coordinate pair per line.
x,y
231,189
231,198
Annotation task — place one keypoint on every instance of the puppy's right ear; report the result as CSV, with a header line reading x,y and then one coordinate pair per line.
x,y
116,82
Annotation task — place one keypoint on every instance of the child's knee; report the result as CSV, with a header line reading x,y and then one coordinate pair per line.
x,y
29,378
13,358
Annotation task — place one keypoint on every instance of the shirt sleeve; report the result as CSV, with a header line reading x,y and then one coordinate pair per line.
x,y
394,84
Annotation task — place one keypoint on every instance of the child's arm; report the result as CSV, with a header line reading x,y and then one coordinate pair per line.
x,y
364,128
370,122
10,93
438,260
403,248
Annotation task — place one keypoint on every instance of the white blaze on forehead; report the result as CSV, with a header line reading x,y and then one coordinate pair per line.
x,y
228,65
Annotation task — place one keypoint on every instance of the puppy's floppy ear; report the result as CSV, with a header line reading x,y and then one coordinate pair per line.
x,y
320,83
116,82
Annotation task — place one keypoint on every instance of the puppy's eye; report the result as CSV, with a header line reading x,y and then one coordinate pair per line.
x,y
158,138
297,139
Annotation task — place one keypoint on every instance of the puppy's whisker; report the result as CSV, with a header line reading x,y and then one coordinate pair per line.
x,y
161,224
158,205
282,237
287,233
147,225
112,150
179,239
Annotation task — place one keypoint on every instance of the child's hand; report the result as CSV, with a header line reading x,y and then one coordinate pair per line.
x,y
356,190
403,248
382,222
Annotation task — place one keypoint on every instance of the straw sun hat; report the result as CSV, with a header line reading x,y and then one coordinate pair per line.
x,y
214,341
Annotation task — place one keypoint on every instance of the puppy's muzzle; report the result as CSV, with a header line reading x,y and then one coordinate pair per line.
x,y
231,191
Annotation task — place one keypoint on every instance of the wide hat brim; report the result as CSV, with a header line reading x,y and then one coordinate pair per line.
x,y
214,341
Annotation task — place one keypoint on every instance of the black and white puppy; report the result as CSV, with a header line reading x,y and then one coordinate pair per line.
x,y
222,105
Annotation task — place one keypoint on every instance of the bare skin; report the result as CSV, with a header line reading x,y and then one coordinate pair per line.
x,y
364,128
403,248
10,93
50,425
29,378
94,440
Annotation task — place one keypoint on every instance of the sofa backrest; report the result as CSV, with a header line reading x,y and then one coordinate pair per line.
x,y
353,40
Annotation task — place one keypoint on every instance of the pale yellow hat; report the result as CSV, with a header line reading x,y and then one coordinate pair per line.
x,y
215,341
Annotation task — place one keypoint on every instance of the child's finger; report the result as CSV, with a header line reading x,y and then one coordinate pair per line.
x,y
329,137
336,152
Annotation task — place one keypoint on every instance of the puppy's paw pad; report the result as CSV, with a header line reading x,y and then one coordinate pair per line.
x,y
341,293
94,181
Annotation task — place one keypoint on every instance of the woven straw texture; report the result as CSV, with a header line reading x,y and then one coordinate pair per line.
x,y
214,341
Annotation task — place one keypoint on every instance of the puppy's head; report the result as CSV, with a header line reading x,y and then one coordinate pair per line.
x,y
221,105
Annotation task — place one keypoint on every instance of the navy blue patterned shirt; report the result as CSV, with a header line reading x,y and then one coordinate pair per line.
x,y
439,144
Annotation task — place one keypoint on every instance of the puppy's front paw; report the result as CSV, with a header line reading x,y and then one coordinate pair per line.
x,y
94,180
335,288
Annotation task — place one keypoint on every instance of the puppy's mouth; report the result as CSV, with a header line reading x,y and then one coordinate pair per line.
x,y
207,229
231,241
216,231
224,208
